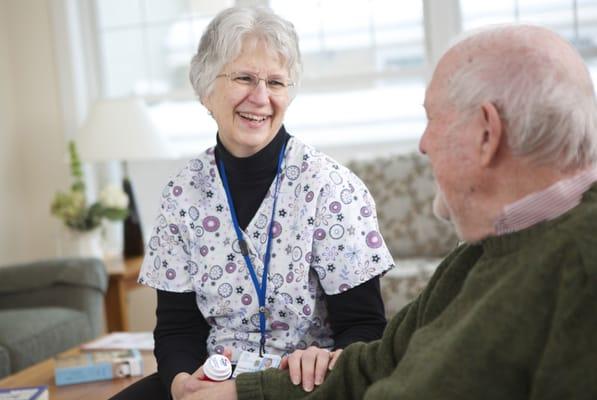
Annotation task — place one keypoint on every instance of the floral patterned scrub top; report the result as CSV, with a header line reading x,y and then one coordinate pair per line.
x,y
325,240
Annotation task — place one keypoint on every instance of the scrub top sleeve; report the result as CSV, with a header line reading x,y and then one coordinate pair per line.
x,y
167,264
348,248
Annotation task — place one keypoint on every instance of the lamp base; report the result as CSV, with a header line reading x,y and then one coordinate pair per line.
x,y
134,245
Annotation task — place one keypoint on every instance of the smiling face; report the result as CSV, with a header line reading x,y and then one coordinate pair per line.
x,y
249,117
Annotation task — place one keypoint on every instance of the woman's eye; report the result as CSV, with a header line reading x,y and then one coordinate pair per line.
x,y
275,83
244,79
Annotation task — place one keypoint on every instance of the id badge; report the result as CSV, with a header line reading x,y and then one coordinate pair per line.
x,y
251,362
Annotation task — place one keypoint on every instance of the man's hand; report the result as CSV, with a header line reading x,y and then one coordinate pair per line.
x,y
310,366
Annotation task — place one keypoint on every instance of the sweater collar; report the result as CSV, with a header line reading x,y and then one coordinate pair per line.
x,y
497,245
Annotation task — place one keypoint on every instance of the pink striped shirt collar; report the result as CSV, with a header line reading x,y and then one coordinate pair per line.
x,y
545,205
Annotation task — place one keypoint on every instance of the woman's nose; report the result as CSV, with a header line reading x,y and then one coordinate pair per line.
x,y
259,94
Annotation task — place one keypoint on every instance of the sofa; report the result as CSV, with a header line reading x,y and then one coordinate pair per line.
x,y
47,307
403,189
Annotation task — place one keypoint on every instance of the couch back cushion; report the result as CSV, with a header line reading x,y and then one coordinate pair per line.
x,y
403,189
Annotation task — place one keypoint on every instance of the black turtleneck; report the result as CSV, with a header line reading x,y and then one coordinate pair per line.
x,y
181,330
250,177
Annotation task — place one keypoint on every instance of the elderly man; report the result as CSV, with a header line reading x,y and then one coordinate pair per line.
x,y
511,313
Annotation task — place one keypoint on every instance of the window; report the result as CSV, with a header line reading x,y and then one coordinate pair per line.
x,y
364,70
146,45
576,20
365,64
145,48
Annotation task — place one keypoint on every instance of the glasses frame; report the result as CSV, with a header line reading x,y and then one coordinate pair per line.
x,y
288,85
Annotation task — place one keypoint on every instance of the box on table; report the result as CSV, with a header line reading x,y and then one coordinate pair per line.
x,y
97,366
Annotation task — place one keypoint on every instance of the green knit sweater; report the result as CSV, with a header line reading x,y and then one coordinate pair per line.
x,y
513,317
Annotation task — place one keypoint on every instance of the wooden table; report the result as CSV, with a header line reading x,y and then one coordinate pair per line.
x,y
43,374
122,275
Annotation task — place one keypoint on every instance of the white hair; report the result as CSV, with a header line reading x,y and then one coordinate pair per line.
x,y
224,37
540,87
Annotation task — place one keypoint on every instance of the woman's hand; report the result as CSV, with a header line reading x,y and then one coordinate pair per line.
x,y
310,366
194,388
185,384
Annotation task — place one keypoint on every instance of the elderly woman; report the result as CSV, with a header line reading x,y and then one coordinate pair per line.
x,y
262,244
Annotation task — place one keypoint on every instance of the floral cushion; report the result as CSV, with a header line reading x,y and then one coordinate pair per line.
x,y
402,285
403,189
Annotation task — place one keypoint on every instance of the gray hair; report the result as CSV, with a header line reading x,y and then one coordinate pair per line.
x,y
546,100
223,38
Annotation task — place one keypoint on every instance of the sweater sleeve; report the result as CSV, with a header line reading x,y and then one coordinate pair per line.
x,y
357,314
180,335
358,367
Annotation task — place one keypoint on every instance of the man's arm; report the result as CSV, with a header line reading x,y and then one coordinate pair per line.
x,y
357,368
360,365
356,315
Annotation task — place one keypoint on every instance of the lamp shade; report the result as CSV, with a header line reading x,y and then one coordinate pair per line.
x,y
121,129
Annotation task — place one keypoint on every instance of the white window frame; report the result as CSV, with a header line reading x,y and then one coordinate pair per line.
x,y
81,72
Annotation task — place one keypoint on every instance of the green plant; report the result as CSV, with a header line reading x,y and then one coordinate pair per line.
x,y
72,207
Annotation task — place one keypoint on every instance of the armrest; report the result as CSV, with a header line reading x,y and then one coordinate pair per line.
x,y
77,283
89,272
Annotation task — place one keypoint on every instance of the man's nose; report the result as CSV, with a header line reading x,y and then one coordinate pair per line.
x,y
423,143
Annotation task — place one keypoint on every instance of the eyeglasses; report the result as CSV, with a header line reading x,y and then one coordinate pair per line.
x,y
276,85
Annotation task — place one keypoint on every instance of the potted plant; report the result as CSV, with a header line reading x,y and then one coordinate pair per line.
x,y
81,218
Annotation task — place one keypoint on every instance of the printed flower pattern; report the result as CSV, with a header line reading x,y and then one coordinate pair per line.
x,y
313,251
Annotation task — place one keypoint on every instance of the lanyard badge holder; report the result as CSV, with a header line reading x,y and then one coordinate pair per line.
x,y
260,289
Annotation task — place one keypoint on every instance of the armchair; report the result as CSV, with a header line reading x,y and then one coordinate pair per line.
x,y
47,307
403,188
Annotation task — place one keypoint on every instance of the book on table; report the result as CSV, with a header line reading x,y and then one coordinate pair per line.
x,y
121,341
25,393
97,366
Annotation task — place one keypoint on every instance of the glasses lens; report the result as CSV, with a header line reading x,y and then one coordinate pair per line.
x,y
276,85
243,78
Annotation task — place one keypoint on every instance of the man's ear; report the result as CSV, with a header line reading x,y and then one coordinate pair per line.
x,y
493,134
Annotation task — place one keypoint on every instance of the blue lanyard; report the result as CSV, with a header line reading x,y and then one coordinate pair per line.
x,y
260,289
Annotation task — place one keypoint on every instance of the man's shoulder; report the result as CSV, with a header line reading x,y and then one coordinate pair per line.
x,y
577,232
457,264
584,239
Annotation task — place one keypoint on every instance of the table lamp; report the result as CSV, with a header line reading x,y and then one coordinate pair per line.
x,y
121,130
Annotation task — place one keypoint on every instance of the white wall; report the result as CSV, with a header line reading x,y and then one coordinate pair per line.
x,y
11,197
32,143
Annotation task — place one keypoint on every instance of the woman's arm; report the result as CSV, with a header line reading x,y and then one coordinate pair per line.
x,y
180,335
357,315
